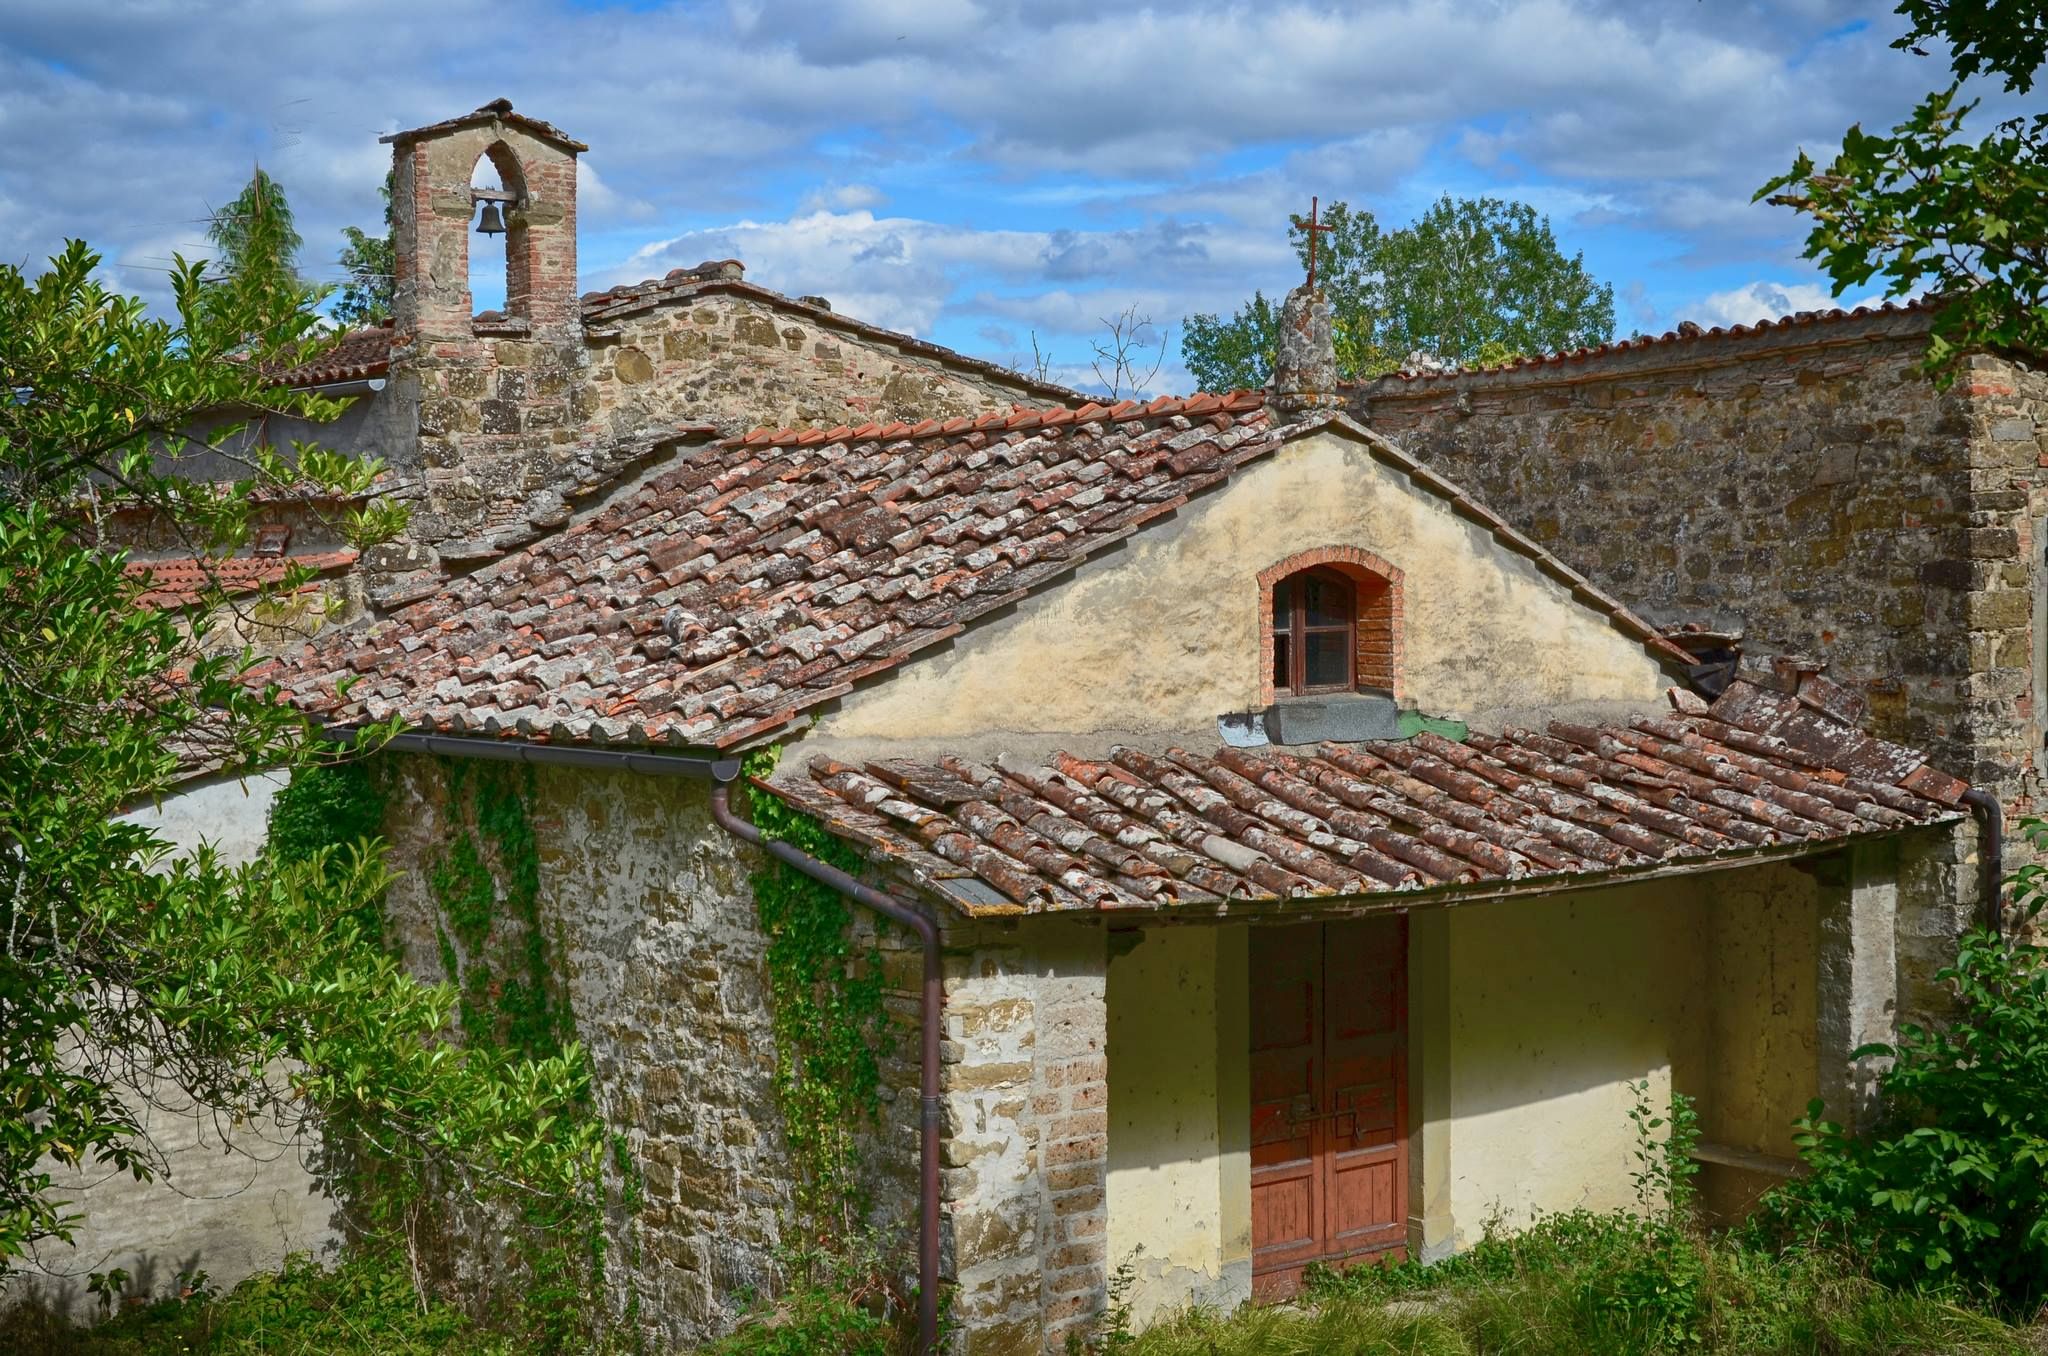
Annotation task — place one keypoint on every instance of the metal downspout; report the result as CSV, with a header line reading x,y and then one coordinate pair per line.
x,y
1990,817
927,931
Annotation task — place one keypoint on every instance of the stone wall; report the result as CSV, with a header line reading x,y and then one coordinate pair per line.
x,y
1026,1137
742,362
1808,486
649,925
649,916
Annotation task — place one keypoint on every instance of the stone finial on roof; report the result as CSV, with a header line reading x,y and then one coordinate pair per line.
x,y
1305,363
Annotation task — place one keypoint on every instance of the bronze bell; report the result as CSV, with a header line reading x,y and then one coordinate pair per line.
x,y
492,222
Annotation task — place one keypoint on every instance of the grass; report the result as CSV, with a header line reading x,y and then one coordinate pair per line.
x,y
1574,1285
364,1307
1595,1285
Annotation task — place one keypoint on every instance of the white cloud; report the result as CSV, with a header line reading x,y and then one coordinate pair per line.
x,y
1765,300
1046,160
842,198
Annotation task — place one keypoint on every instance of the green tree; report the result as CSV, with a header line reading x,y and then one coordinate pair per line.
x,y
258,248
366,297
1474,280
1932,210
258,989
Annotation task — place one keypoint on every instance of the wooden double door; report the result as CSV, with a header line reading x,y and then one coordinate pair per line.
x,y
1329,1083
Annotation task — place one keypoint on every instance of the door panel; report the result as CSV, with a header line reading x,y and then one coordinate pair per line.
x,y
1329,1097
1287,1184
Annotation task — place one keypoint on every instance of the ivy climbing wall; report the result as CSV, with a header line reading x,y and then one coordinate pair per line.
x,y
608,909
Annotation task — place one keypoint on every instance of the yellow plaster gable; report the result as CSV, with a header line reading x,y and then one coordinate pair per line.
x,y
1163,635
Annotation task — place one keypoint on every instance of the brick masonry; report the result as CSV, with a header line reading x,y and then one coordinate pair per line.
x,y
1807,485
1026,1138
1379,597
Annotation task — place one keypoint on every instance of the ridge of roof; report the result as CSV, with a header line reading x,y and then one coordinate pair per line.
x,y
1686,333
497,110
366,352
761,575
1757,775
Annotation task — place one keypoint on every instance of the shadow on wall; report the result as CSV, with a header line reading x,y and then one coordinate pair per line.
x,y
34,1302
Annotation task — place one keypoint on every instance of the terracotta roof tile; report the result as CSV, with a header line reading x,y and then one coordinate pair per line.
x,y
356,356
185,580
759,575
1517,810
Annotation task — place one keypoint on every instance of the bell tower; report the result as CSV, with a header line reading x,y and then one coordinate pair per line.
x,y
498,394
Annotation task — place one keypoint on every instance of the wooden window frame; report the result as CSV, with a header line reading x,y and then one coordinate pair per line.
x,y
1298,630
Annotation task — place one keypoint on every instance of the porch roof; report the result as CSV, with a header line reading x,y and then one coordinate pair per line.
x,y
1760,774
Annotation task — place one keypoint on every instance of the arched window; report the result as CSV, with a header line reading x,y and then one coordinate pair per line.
x,y
1330,622
1315,633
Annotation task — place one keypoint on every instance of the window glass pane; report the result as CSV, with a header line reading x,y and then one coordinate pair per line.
x,y
1283,605
1283,680
1326,659
1327,602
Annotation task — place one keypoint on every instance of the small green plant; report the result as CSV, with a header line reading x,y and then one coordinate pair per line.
x,y
1665,1166
1113,1325
107,1287
845,1303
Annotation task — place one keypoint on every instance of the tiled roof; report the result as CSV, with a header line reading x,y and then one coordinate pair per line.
x,y
367,352
1686,334
184,580
356,356
762,575
1760,775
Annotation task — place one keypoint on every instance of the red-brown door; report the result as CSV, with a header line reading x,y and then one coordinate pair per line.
x,y
1329,1097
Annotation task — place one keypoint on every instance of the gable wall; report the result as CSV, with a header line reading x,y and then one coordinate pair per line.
x,y
743,364
1160,637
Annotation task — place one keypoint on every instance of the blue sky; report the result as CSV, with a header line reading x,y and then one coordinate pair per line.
x,y
973,171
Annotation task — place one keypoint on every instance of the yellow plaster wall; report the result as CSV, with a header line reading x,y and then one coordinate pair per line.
x,y
1530,1017
1708,983
1763,1052
1163,635
1175,1092
1555,1005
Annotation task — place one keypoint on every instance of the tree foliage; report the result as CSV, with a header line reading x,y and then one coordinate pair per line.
x,y
2007,38
257,989
366,297
257,243
1474,280
1932,210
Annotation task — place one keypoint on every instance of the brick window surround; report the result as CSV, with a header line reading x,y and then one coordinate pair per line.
x,y
1377,585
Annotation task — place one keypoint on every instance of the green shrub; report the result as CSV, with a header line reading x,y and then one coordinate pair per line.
x,y
1952,1188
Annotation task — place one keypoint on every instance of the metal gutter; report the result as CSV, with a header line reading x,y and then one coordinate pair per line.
x,y
696,766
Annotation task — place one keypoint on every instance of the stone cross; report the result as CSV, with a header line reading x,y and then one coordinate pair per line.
x,y
1314,228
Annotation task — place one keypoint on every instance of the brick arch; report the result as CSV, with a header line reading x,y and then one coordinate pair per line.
x,y
1378,583
516,244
